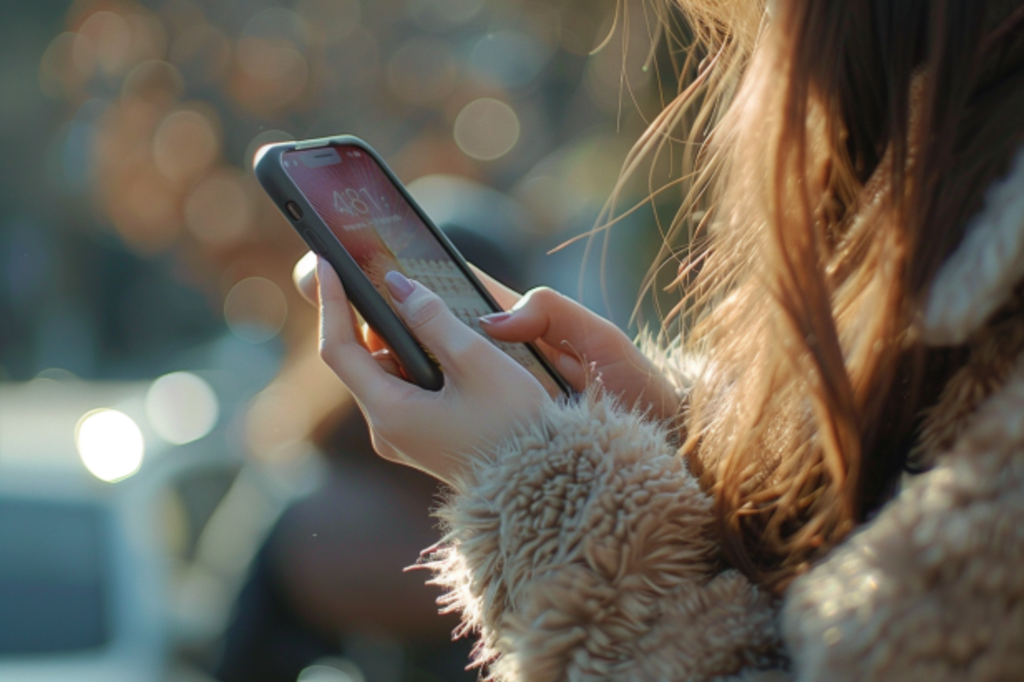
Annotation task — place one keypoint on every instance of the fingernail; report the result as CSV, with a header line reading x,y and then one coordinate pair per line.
x,y
320,265
307,263
399,285
495,318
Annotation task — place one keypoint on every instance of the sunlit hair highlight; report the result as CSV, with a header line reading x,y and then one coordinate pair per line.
x,y
833,154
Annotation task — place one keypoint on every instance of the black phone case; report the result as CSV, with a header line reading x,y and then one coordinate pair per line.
x,y
421,369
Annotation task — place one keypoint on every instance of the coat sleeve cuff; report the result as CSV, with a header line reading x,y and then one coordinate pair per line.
x,y
584,549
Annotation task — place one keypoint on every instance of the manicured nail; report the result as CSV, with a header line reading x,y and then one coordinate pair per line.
x,y
495,318
399,285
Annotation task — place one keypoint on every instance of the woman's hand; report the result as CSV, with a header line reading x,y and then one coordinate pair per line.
x,y
580,343
485,394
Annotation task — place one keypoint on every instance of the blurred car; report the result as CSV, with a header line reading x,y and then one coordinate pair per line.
x,y
90,569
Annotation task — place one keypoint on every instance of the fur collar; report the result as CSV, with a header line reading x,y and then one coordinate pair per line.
x,y
980,276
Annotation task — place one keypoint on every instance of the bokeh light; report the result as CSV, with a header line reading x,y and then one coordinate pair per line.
x,y
218,209
331,20
147,216
182,407
185,145
59,73
109,40
255,309
272,68
110,444
487,129
153,81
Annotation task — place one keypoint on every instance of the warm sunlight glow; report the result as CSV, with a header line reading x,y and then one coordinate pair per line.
x,y
110,444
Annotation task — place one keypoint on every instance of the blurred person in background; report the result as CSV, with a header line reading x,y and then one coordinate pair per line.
x,y
327,584
823,480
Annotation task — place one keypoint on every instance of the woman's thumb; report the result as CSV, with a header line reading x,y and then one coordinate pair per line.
x,y
431,321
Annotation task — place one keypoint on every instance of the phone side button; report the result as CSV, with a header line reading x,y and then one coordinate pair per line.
x,y
313,240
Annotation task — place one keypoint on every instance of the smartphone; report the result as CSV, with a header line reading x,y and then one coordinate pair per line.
x,y
349,207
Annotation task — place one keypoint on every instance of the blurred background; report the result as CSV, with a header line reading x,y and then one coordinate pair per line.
x,y
186,492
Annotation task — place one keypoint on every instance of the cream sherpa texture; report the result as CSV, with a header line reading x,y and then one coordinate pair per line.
x,y
981,274
933,588
583,550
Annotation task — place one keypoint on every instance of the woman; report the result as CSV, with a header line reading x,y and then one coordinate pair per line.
x,y
856,290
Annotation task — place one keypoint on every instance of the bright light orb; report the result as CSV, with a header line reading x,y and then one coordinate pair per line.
x,y
110,444
486,129
181,407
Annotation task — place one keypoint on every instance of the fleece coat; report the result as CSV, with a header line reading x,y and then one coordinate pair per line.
x,y
583,549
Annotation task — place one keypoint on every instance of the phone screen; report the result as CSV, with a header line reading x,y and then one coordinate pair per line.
x,y
382,232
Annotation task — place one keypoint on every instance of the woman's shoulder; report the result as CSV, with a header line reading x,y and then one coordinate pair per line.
x,y
933,582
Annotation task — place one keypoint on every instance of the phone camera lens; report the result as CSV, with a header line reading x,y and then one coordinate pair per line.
x,y
293,210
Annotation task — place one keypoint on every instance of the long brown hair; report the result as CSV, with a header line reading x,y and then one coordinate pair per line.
x,y
840,149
